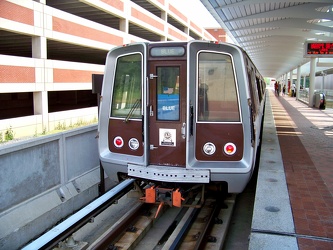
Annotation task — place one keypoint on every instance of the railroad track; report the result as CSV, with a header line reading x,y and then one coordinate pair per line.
x,y
199,225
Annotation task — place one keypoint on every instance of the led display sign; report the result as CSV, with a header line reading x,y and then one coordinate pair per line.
x,y
167,51
319,49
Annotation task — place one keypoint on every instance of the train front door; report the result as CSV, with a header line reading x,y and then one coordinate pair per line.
x,y
167,113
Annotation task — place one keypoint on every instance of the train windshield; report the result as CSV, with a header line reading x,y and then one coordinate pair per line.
x,y
217,93
126,99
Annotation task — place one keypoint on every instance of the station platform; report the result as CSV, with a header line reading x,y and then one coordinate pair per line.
x,y
294,198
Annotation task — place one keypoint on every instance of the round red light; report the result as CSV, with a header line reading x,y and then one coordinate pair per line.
x,y
118,142
229,148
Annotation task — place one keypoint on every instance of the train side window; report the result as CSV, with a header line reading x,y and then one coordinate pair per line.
x,y
216,88
168,93
126,97
259,89
253,91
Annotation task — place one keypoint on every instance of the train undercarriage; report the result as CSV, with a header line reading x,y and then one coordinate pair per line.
x,y
177,194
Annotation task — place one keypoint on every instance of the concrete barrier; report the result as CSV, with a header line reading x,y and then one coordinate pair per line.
x,y
44,180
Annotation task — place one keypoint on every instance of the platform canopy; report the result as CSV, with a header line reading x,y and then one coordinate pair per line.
x,y
273,32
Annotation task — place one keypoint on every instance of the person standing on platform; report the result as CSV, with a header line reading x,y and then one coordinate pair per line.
x,y
293,90
276,88
284,90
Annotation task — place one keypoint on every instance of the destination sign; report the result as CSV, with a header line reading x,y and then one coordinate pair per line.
x,y
319,49
167,51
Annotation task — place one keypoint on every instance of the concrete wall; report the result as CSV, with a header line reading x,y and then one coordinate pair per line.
x,y
44,180
28,126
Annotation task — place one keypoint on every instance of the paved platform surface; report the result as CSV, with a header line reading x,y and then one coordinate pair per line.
x,y
272,225
305,136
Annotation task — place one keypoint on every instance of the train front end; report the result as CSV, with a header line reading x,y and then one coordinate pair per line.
x,y
177,113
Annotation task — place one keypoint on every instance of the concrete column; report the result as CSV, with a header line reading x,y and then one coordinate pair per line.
x,y
124,26
291,78
312,80
286,82
39,51
164,17
124,23
187,30
41,108
298,82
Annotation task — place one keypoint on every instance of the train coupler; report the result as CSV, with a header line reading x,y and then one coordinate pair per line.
x,y
170,196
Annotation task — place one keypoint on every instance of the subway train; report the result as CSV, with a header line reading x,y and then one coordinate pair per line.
x,y
179,115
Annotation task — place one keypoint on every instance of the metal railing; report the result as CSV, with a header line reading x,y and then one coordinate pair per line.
x,y
303,95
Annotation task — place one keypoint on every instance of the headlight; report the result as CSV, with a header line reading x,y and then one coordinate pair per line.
x,y
209,148
133,143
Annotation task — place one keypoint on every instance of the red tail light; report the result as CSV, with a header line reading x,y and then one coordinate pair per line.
x,y
118,142
229,148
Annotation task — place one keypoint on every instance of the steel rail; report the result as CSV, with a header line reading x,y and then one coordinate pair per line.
x,y
80,218
176,237
175,245
202,237
117,228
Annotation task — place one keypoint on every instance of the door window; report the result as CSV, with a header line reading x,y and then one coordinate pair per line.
x,y
168,93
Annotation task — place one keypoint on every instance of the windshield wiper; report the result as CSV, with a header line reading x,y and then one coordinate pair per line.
x,y
134,107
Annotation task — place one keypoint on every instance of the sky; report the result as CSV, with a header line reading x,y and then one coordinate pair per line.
x,y
196,11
